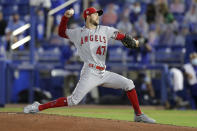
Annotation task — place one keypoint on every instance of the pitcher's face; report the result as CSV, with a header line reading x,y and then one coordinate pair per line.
x,y
94,19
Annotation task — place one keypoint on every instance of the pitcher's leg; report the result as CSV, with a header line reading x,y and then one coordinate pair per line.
x,y
82,88
116,81
52,104
132,96
87,82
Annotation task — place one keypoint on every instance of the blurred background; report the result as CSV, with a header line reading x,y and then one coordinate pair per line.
x,y
36,64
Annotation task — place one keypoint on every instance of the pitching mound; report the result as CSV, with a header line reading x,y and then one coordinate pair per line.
x,y
42,122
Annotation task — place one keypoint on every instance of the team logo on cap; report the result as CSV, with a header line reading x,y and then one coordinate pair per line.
x,y
87,12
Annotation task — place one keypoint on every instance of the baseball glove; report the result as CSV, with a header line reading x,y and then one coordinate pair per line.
x,y
129,42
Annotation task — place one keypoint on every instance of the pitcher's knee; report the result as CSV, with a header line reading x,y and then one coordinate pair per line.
x,y
129,85
72,101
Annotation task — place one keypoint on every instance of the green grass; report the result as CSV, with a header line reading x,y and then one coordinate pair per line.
x,y
172,117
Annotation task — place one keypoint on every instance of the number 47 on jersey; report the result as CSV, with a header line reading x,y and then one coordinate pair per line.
x,y
101,50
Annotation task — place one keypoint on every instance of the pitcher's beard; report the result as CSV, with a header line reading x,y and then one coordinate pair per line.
x,y
94,22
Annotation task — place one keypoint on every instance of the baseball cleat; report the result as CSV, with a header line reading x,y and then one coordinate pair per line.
x,y
144,118
33,108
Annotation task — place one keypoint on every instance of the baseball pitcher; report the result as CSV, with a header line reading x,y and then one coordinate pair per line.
x,y
91,42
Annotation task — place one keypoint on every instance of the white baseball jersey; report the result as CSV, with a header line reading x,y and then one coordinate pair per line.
x,y
92,48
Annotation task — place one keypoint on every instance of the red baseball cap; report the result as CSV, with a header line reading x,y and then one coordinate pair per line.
x,y
91,10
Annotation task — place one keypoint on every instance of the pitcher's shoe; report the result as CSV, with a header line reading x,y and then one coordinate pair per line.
x,y
143,118
33,108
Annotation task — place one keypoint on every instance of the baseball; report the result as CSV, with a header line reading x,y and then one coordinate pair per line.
x,y
71,11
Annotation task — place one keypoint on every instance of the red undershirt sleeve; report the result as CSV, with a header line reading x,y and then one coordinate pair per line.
x,y
120,36
62,27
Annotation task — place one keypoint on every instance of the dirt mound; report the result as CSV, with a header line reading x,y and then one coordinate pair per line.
x,y
43,122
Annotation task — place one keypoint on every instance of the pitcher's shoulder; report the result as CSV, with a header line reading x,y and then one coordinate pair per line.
x,y
77,29
103,27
